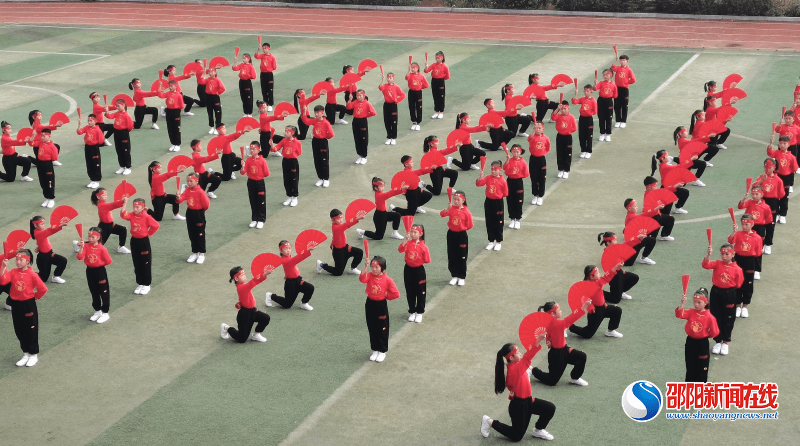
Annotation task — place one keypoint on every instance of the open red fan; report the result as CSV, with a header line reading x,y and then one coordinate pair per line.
x,y
124,189
716,127
491,118
349,79
517,100
432,159
59,118
679,175
214,145
726,113
24,133
16,240
640,225
531,90
218,62
320,86
558,78
580,292
193,68
367,63
731,95
360,207
614,255
691,150
404,178
264,260
458,135
285,107
731,81
159,85
179,162
308,239
128,100
62,215
408,221
533,326
658,197
247,124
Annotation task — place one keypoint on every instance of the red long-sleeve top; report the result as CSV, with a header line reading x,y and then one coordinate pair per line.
x,y
198,161
104,209
339,239
157,184
503,113
725,275
264,120
8,143
459,219
539,144
682,143
174,100
122,120
245,291
417,81
444,152
598,298
331,93
380,287
438,70
588,105
699,324
773,186
392,94
417,253
760,210
787,163
42,238
256,168
92,135
496,187
540,91
246,71
607,90
664,169
748,244
289,149
565,124
474,129
139,96
711,113
98,110
381,197
268,62
23,284
94,256
195,198
516,168
142,225
322,128
178,79
555,331
361,109
302,101
47,150
510,109
517,380
214,85
623,76
290,270
698,125
225,141
38,127
418,172
786,130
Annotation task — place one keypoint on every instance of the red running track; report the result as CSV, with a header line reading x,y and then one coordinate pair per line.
x,y
412,24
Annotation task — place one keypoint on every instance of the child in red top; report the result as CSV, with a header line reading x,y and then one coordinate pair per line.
x,y
171,72
623,281
774,192
248,313
727,277
35,119
206,176
123,124
174,100
331,105
661,159
537,163
46,258
431,143
605,103
392,95
381,215
561,354
197,205
416,195
100,199
600,309
748,247
493,209
11,159
340,250
92,139
213,89
439,73
323,131
459,221
291,148
681,138
516,169
256,169
416,83
246,75
414,276
143,226
540,95
230,162
470,155
565,127
141,107
294,283
159,195
697,122
517,122
265,131
666,221
623,78
499,135
380,288
99,110
26,288
588,108
787,165
362,110
46,158
96,257
762,216
700,325
268,65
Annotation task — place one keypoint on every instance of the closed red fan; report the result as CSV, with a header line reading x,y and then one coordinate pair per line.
x,y
558,78
715,127
458,136
492,118
733,216
483,163
679,175
726,113
709,234
265,260
320,86
24,133
62,215
404,178
218,62
159,85
124,189
658,197
685,283
640,225
731,81
128,100
614,255
193,68
214,145
449,194
580,292
748,183
358,208
247,124
179,162
517,100
349,79
308,239
285,108
432,159
59,118
16,240
533,326
731,95
366,251
367,63
79,229
408,221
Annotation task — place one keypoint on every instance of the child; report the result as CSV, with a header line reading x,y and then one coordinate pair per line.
x,y
46,258
268,65
206,177
362,110
99,110
323,131
698,121
774,192
294,283
540,94
790,129
291,148
415,195
522,404
248,313
230,162
516,169
301,105
27,290
246,75
661,160
605,104
747,245
470,155
663,218
265,131
174,100
588,108
681,138
123,124
392,95
187,100
439,173
560,354
141,107
646,241
623,78
380,288
331,105
11,159
537,163
727,277
92,140
96,257
623,281
599,309
100,199
213,89
158,195
762,221
787,165
700,325
498,135
198,204
45,159
340,249
414,276
35,118
416,83
440,73
256,169
381,216
517,122
496,190
143,226
459,221
565,127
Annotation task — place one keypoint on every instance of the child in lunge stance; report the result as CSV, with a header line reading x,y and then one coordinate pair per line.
x,y
294,284
248,314
340,249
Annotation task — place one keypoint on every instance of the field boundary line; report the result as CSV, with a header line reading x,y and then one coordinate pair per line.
x,y
53,71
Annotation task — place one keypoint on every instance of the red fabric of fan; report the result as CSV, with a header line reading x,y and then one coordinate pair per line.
x,y
349,79
218,62
491,118
517,100
580,292
640,225
214,145
128,100
159,85
179,162
308,239
268,260
432,159
59,118
533,326
614,255
726,113
285,107
457,135
62,215
732,95
730,80
247,124
685,283
679,175
408,221
124,189
404,178
358,208
320,86
367,63
193,68
16,240
716,127
23,133
558,78
658,197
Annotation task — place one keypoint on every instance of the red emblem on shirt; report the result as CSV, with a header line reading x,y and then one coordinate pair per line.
x,y
90,137
492,188
191,201
697,326
135,227
19,286
359,110
621,74
93,258
412,255
746,247
607,91
784,162
253,170
725,278
455,220
375,290
586,106
539,146
515,170
169,101
287,150
756,215
767,187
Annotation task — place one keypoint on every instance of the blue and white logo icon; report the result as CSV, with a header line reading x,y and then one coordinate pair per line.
x,y
642,401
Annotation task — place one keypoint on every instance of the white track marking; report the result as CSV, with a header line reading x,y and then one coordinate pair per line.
x,y
53,71
665,84
73,106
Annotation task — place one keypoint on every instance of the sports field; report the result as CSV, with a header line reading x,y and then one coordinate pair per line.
x,y
158,372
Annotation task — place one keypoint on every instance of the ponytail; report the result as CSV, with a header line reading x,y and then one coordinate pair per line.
x,y
707,86
459,117
150,172
500,369
426,143
31,114
130,84
677,131
547,306
694,119
602,236
656,161
296,105
503,91
95,193
706,101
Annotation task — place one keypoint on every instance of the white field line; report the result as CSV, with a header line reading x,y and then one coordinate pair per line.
x,y
665,84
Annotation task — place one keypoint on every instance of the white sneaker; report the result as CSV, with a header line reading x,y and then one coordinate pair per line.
x,y
394,142
565,176
453,281
583,154
791,189
474,167
647,261
486,424
8,307
123,250
138,289
698,183
288,201
26,178
120,170
724,350
269,108
56,163
396,235
363,161
260,225
253,224
626,296
163,113
709,164
257,337
96,316
145,289
511,225
435,116
541,433
523,135
490,246
103,318
277,154
745,313
361,232
560,174
178,217
354,271
90,185
326,183
192,258
666,238
358,161
441,115
374,355
388,142
477,144
51,203
201,258
154,126
579,382
413,126
294,202
782,218
412,317
757,275
539,202
268,300
24,360
127,171
613,334
188,113
588,155
738,311
497,247
767,250
679,211
32,361
602,137
617,124
449,162
722,146
418,319
516,224
716,349
212,195
421,211
319,266
233,176
318,183
107,143
223,333
306,307
381,356
57,279
342,122
461,282
608,138
623,124
211,131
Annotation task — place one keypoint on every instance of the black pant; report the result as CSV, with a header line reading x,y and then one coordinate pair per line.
x,y
214,110
291,176
206,178
516,195
26,324
380,218
498,135
245,319
469,156
648,243
142,260
696,355
291,288
770,228
264,138
160,203
520,410
761,230
377,315
518,124
107,127
494,211
415,281
722,304
605,111
437,178
564,152
230,164
557,360
593,321
201,96
438,91
174,125
97,279
113,228
542,107
699,166
330,112
415,198
585,133
621,104
415,105
710,151
748,265
122,144
139,113
246,94
92,155
302,128
188,102
340,256
196,226
45,261
390,120
256,192
783,203
683,195
457,253
621,283
319,147
361,136
667,222
537,165
10,163
47,178
267,87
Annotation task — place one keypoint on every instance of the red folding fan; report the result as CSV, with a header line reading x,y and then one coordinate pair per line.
x,y
285,107
517,100
580,292
679,175
640,225
404,178
408,221
731,81
308,239
614,255
432,159
159,85
685,283
16,240
124,189
558,78
265,260
358,208
533,326
62,215
219,62
24,133
492,118
716,127
732,95
726,113
179,162
691,150
128,100
247,124
320,86
367,63
349,79
214,145
657,197
193,68
457,135
59,118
